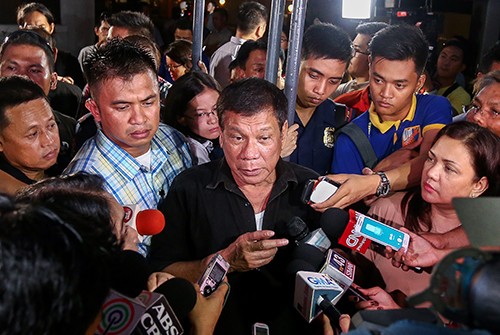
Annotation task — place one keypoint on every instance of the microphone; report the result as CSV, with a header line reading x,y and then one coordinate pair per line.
x,y
150,222
305,257
339,224
146,222
301,234
170,302
311,288
129,273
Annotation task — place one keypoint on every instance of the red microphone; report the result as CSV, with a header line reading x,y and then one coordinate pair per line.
x,y
150,222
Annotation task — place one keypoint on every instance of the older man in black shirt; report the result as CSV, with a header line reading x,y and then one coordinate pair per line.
x,y
239,207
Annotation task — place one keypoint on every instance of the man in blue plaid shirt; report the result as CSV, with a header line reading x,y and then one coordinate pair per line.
x,y
136,155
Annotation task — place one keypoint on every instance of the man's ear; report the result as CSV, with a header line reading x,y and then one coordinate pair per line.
x,y
421,81
94,109
241,73
52,26
96,31
284,133
1,143
261,30
56,51
53,81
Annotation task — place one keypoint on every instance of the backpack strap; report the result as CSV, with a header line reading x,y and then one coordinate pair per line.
x,y
361,142
451,89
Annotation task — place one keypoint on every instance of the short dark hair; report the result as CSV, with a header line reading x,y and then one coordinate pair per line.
x,y
136,23
180,51
221,11
458,44
250,15
31,7
492,55
326,41
30,37
370,28
16,90
251,96
247,48
118,58
103,17
147,44
52,279
185,89
184,24
401,43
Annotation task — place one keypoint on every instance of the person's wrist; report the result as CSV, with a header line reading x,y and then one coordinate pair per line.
x,y
384,186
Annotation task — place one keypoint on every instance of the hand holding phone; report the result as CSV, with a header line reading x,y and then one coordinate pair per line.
x,y
381,233
317,191
213,275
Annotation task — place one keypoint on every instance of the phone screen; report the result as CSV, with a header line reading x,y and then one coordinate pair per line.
x,y
383,233
261,331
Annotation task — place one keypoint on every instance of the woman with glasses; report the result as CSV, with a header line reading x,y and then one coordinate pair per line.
x,y
190,108
178,56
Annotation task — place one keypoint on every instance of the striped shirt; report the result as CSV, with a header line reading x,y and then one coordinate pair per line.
x,y
125,178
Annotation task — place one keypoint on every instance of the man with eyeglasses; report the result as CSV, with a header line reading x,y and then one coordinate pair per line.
x,y
136,155
359,66
326,51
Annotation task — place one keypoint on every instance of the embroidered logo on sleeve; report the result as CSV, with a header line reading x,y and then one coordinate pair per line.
x,y
410,135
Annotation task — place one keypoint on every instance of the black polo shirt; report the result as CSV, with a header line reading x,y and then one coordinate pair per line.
x,y
205,212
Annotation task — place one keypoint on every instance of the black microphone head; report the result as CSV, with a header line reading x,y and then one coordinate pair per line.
x,y
297,228
333,221
309,254
129,273
297,265
180,294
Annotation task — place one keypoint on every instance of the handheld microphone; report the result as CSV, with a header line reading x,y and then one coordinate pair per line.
x,y
166,306
147,222
309,287
150,222
301,234
129,273
339,224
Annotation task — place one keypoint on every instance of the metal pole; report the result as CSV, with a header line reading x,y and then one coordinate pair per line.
x,y
198,20
274,41
293,61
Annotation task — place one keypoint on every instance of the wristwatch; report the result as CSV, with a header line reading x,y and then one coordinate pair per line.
x,y
384,187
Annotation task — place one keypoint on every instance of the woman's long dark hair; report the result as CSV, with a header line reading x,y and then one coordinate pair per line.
x,y
483,148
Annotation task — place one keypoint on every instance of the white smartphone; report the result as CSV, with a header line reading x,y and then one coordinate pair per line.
x,y
323,190
381,233
260,329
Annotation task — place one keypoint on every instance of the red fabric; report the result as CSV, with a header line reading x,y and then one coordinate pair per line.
x,y
358,100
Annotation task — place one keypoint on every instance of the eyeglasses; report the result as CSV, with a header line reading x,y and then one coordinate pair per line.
x,y
491,114
202,116
30,33
357,51
173,67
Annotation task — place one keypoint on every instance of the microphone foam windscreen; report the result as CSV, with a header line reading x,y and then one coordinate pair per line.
x,y
297,228
129,273
150,222
180,294
333,221
309,254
